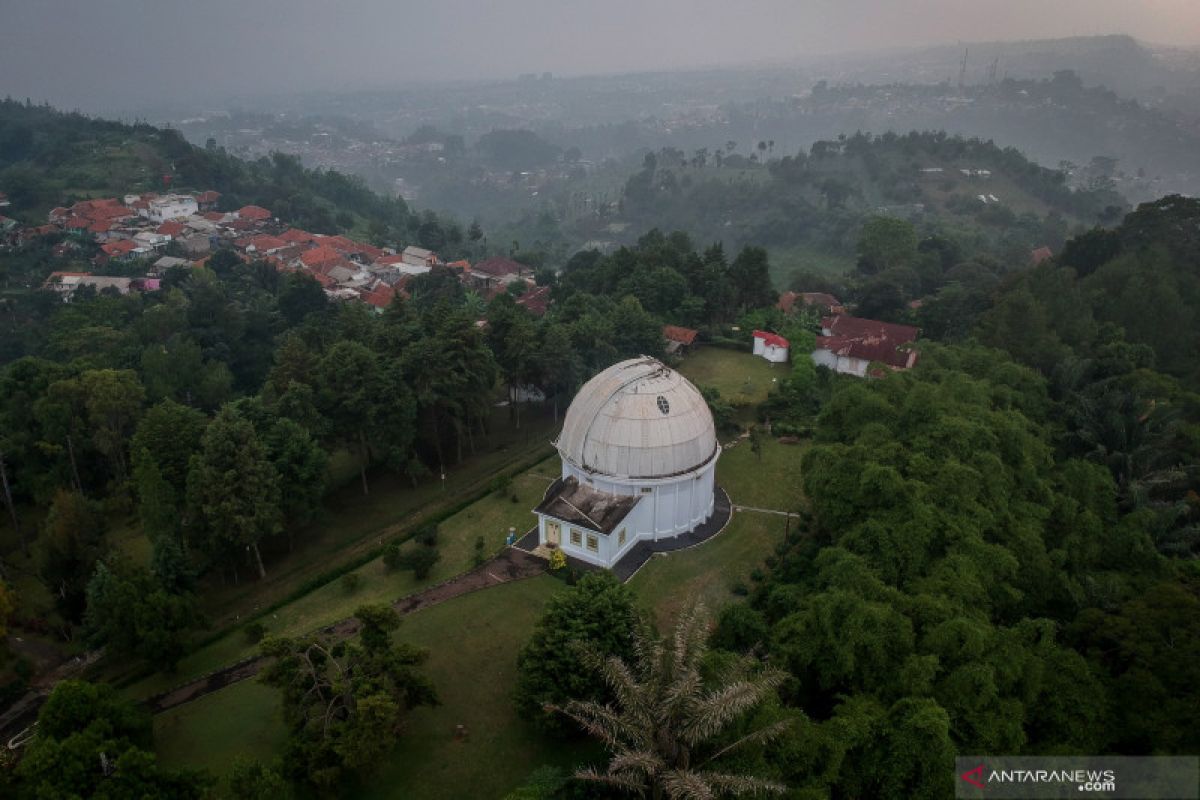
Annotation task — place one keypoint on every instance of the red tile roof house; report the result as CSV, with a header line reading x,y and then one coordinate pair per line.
x,y
850,345
535,300
494,272
1041,254
679,339
253,213
771,346
207,200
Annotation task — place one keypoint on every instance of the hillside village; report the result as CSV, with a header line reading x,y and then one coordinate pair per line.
x,y
145,226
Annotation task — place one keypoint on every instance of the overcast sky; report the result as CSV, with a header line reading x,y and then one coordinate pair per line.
x,y
117,54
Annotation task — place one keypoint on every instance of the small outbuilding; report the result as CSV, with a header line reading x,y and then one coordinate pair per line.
x,y
771,346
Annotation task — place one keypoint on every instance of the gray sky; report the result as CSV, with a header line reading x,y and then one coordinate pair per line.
x,y
116,54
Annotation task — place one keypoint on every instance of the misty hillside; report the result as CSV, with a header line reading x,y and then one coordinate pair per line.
x,y
815,201
50,158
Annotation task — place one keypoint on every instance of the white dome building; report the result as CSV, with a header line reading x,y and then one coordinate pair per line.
x,y
639,451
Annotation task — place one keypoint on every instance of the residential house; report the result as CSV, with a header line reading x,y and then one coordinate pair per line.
x,y
850,345
171,206
535,300
771,346
67,283
679,340
253,213
826,303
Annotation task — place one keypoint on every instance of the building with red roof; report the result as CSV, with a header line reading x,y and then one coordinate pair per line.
x,y
679,339
380,297
319,256
264,244
771,346
297,236
535,300
825,302
851,344
1041,254
171,228
253,213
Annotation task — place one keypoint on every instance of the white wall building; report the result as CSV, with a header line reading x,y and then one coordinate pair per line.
x,y
639,453
771,346
171,206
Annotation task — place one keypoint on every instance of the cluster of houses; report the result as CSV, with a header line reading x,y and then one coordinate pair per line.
x,y
142,226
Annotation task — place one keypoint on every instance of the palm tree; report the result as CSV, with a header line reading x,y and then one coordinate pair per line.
x,y
662,731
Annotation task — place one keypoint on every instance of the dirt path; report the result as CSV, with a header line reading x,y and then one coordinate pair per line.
x,y
510,565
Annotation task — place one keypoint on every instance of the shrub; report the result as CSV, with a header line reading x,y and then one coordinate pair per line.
x,y
428,535
255,631
351,582
557,559
391,556
420,560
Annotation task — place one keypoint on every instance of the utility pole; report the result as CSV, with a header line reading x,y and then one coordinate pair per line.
x,y
962,71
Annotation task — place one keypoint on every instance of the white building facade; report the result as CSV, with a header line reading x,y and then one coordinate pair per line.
x,y
771,346
172,206
639,454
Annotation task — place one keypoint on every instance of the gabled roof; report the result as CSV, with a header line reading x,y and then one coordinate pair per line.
x,y
771,338
846,325
499,266
320,255
869,340
536,300
120,247
262,243
675,333
253,212
208,197
171,228
379,297
296,235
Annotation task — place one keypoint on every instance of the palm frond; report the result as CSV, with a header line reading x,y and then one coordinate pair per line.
x,y
718,709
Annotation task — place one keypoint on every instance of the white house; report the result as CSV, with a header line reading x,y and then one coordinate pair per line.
x,y
170,206
771,346
850,345
639,453
419,257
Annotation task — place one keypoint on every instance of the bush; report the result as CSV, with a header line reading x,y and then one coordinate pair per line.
x,y
599,613
391,556
502,486
351,582
420,560
255,631
428,535
739,628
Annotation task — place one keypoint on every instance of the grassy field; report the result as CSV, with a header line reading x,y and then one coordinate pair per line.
x,y
741,378
473,642
489,517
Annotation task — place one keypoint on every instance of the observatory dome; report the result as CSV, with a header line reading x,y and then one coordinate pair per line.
x,y
638,419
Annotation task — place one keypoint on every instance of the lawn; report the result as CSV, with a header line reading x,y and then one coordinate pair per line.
x,y
489,517
772,481
710,572
240,720
742,378
473,642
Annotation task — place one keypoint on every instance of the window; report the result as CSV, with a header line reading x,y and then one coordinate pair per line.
x,y
621,538
646,490
576,537
663,405
593,544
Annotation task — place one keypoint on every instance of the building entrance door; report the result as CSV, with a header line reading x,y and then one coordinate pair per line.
x,y
553,533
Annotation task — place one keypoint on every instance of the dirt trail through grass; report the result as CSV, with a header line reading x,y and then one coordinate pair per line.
x,y
509,565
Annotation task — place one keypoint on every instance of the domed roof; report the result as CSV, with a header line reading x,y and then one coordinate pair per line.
x,y
638,419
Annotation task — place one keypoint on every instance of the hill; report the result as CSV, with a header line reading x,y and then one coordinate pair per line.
x,y
993,198
50,158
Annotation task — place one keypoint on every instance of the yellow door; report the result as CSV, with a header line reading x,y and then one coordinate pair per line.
x,y
552,533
